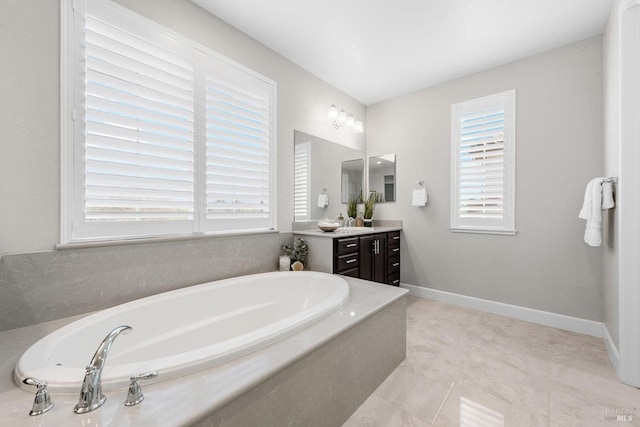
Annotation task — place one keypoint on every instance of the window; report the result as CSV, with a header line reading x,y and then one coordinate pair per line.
x,y
483,147
161,136
302,174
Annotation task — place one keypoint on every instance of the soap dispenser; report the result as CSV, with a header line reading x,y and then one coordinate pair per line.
x,y
341,220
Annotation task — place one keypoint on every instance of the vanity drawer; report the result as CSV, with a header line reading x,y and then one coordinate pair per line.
x,y
346,262
393,250
393,264
393,237
394,279
348,245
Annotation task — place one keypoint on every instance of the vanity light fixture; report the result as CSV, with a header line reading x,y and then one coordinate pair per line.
x,y
342,118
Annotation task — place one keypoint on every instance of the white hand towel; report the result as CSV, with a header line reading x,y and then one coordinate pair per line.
x,y
323,200
592,212
607,195
419,197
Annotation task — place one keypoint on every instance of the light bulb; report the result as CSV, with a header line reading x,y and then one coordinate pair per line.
x,y
357,127
333,112
350,120
342,118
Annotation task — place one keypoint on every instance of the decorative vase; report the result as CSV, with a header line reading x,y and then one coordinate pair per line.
x,y
297,266
368,223
359,221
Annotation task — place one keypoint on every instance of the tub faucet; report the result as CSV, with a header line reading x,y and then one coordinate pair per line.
x,y
91,396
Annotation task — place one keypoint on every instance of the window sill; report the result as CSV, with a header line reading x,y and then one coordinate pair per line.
x,y
160,239
483,231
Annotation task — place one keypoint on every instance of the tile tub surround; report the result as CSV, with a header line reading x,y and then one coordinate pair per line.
x,y
520,373
44,286
367,337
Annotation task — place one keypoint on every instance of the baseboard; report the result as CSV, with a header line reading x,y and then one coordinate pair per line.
x,y
560,321
612,349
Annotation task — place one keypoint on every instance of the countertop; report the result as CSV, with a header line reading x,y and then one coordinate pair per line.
x,y
186,399
349,231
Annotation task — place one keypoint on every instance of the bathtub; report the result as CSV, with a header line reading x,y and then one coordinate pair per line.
x,y
187,330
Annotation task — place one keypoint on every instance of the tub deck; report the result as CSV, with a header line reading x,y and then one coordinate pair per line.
x,y
374,313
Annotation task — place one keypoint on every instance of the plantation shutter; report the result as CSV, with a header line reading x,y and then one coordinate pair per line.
x,y
302,170
238,149
481,164
483,148
139,129
169,137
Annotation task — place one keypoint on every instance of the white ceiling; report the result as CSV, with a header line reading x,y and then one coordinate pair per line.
x,y
378,49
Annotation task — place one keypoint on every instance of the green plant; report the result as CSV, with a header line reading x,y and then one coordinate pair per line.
x,y
297,252
370,204
352,205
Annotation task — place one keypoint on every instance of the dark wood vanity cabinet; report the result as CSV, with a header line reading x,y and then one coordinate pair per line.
x,y
374,257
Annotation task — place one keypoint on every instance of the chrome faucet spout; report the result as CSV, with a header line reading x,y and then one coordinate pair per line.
x,y
91,396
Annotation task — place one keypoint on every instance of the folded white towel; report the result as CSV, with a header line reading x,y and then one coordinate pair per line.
x,y
597,196
323,200
607,195
419,197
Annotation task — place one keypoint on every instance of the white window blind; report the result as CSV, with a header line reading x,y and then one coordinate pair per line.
x,y
238,149
168,137
139,162
302,173
483,165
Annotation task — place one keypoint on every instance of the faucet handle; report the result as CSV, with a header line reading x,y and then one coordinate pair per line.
x,y
135,396
42,402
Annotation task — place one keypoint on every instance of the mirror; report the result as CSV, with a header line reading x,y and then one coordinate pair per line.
x,y
382,176
352,173
320,164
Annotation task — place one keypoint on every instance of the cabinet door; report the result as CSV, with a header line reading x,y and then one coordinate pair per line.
x,y
380,258
366,257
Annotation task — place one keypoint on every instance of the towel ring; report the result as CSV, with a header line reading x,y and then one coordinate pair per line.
x,y
420,185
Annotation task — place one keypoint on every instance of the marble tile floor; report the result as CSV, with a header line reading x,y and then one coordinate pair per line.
x,y
470,368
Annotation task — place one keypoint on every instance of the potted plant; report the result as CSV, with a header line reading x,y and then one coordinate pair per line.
x,y
369,206
352,205
298,253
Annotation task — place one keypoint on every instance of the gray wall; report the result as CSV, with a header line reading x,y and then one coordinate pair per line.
x,y
546,265
612,140
38,283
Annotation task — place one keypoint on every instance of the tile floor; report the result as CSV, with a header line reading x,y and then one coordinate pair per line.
x,y
469,368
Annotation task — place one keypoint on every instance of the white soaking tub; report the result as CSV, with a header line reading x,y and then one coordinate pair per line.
x,y
186,330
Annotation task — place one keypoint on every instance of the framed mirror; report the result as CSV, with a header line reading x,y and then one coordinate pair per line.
x,y
382,177
323,167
